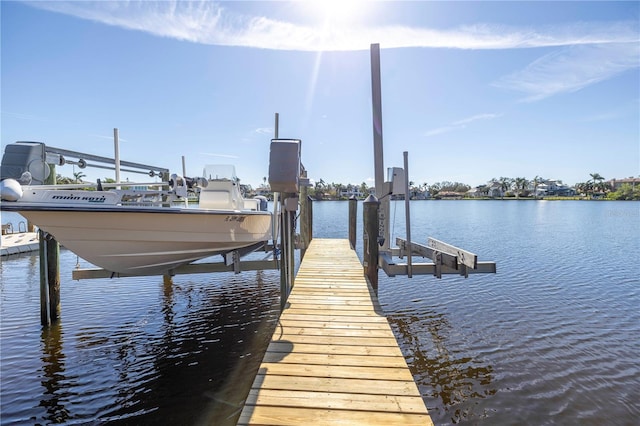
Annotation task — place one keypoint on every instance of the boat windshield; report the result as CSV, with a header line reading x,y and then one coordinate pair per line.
x,y
220,172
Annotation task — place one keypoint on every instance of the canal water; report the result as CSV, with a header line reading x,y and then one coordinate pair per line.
x,y
552,338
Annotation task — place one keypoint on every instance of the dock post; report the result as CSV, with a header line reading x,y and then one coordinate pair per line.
x,y
353,211
371,207
49,270
53,272
291,249
49,279
306,214
44,285
284,258
287,250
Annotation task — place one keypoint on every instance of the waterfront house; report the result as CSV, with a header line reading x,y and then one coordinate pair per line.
x,y
478,192
351,191
554,187
495,190
615,184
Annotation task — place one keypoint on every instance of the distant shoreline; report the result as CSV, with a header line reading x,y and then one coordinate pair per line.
x,y
548,198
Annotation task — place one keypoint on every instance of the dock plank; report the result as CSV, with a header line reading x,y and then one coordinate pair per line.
x,y
333,358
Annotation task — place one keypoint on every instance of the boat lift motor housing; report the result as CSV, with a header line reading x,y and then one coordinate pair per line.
x,y
284,165
20,157
395,175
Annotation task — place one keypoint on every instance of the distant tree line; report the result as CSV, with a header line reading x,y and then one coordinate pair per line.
x,y
595,187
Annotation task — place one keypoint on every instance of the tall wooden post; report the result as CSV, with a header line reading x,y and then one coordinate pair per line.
x,y
49,270
44,276
381,189
287,251
353,211
53,262
306,227
310,217
370,240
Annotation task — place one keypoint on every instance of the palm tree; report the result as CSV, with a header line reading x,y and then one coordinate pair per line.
x,y
520,184
535,181
78,176
505,183
583,187
597,179
364,188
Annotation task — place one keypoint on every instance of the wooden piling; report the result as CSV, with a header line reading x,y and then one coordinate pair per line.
x,y
53,280
287,249
306,218
44,285
371,208
49,270
49,279
353,212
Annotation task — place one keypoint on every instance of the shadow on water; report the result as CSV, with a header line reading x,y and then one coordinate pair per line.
x,y
204,366
190,361
452,383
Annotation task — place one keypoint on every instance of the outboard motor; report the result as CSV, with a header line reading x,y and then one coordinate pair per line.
x,y
263,203
22,157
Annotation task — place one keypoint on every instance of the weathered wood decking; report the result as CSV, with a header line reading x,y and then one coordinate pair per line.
x,y
333,358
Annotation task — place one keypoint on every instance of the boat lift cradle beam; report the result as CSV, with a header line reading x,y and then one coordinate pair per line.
x,y
232,263
191,268
447,259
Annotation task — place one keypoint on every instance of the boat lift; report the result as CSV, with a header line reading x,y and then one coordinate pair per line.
x,y
445,258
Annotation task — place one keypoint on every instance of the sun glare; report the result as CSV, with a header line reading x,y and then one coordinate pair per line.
x,y
333,12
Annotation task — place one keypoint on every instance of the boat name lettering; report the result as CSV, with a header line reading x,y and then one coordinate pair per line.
x,y
100,199
235,219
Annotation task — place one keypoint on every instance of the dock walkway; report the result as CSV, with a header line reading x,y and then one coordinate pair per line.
x,y
333,358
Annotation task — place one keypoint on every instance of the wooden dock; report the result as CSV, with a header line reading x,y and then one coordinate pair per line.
x,y
333,358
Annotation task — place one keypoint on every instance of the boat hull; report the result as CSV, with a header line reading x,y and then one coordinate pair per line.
x,y
145,241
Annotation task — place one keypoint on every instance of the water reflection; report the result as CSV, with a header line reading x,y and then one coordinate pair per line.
x,y
451,382
53,377
200,366
188,356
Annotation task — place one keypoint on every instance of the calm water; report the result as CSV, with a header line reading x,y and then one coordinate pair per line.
x,y
552,338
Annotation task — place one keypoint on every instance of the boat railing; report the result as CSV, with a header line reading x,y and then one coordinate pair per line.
x,y
7,228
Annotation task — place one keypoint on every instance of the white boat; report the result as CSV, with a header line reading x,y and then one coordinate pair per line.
x,y
135,230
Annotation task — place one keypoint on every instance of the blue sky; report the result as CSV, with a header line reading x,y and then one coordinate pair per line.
x,y
472,90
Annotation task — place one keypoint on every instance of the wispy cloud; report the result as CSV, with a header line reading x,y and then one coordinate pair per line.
x,y
107,137
264,130
210,154
212,23
588,52
21,116
571,69
460,124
